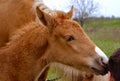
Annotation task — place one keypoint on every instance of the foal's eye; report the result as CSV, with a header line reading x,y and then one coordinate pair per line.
x,y
69,38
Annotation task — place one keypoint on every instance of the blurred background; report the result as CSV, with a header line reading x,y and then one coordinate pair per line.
x,y
105,8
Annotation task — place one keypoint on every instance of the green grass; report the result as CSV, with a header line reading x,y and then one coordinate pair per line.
x,y
103,23
105,33
107,45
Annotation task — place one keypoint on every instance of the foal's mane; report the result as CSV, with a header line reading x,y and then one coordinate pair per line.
x,y
28,28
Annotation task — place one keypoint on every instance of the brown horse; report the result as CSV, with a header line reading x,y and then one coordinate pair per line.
x,y
58,40
14,14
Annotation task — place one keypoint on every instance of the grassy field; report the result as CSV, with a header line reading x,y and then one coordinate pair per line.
x,y
104,32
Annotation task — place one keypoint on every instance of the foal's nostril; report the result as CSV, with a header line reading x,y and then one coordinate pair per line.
x,y
100,61
105,65
102,54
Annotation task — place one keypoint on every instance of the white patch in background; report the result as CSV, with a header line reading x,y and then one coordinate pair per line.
x,y
102,54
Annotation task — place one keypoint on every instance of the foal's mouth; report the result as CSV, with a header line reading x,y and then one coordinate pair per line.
x,y
100,72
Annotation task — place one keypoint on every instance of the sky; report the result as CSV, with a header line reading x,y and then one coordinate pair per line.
x,y
109,7
106,7
58,4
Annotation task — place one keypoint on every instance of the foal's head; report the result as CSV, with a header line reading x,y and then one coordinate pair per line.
x,y
69,44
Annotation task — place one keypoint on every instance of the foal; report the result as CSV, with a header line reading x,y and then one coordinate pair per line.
x,y
37,45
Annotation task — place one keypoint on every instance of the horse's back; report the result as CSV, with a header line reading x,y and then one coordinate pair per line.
x,y
13,15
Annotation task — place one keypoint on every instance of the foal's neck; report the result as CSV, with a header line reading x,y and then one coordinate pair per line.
x,y
30,40
30,47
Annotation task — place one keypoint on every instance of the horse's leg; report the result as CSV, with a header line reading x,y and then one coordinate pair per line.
x,y
44,75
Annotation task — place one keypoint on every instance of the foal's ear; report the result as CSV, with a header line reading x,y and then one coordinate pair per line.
x,y
70,13
45,18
